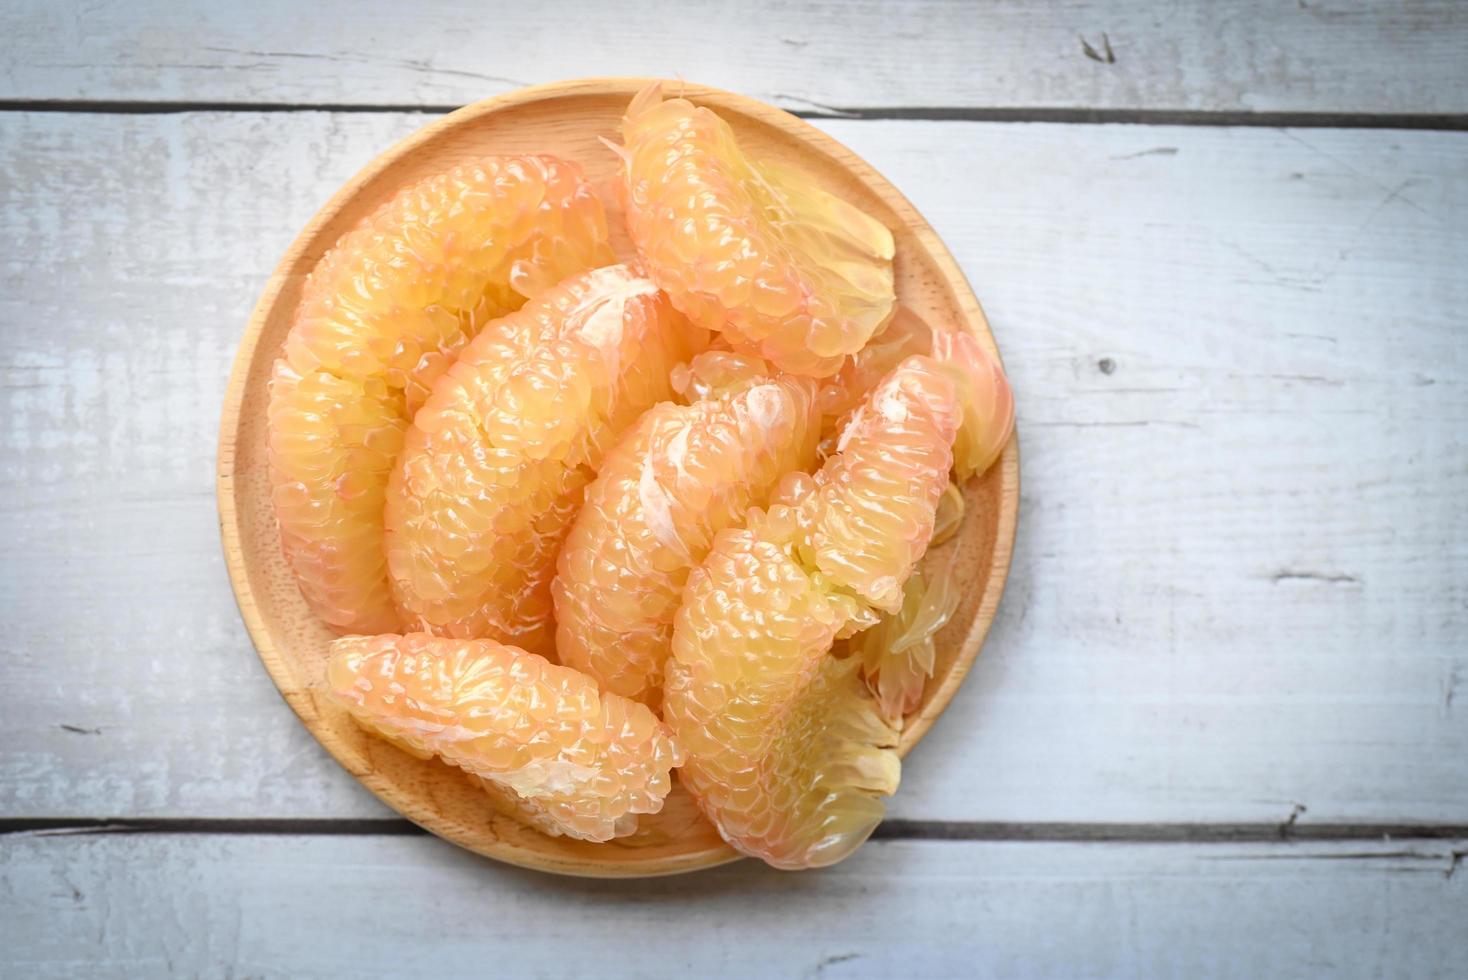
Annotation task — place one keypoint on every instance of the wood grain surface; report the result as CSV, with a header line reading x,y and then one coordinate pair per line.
x,y
393,906
1238,603
829,57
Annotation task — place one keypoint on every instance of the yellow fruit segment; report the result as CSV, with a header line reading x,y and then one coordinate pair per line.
x,y
873,505
988,401
897,654
580,763
681,475
381,317
496,462
787,748
752,248
332,443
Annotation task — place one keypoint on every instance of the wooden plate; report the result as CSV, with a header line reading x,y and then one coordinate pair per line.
x,y
566,118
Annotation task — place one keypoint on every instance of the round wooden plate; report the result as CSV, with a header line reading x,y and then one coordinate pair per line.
x,y
566,118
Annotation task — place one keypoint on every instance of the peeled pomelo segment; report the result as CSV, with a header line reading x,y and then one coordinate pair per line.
x,y
401,293
381,317
987,399
787,748
897,655
874,504
681,475
496,462
754,249
583,764
332,443
978,378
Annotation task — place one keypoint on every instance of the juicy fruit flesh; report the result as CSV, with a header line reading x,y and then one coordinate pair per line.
x,y
381,317
787,749
876,501
988,402
756,250
495,464
683,474
332,443
581,763
897,654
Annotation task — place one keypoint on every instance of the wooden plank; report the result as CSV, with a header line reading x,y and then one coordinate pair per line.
x,y
1351,56
361,906
1241,580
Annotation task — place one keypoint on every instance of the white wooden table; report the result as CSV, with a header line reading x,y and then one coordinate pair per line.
x,y
1220,727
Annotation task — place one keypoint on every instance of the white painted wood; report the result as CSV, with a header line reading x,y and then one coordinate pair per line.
x,y
1242,571
83,906
1232,55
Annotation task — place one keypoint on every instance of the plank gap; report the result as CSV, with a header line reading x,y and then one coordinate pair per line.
x,y
1444,122
890,830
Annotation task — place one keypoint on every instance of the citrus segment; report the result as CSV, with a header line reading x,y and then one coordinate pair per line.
x,y
874,503
988,401
332,444
495,464
581,763
754,249
787,748
380,318
681,475
897,654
